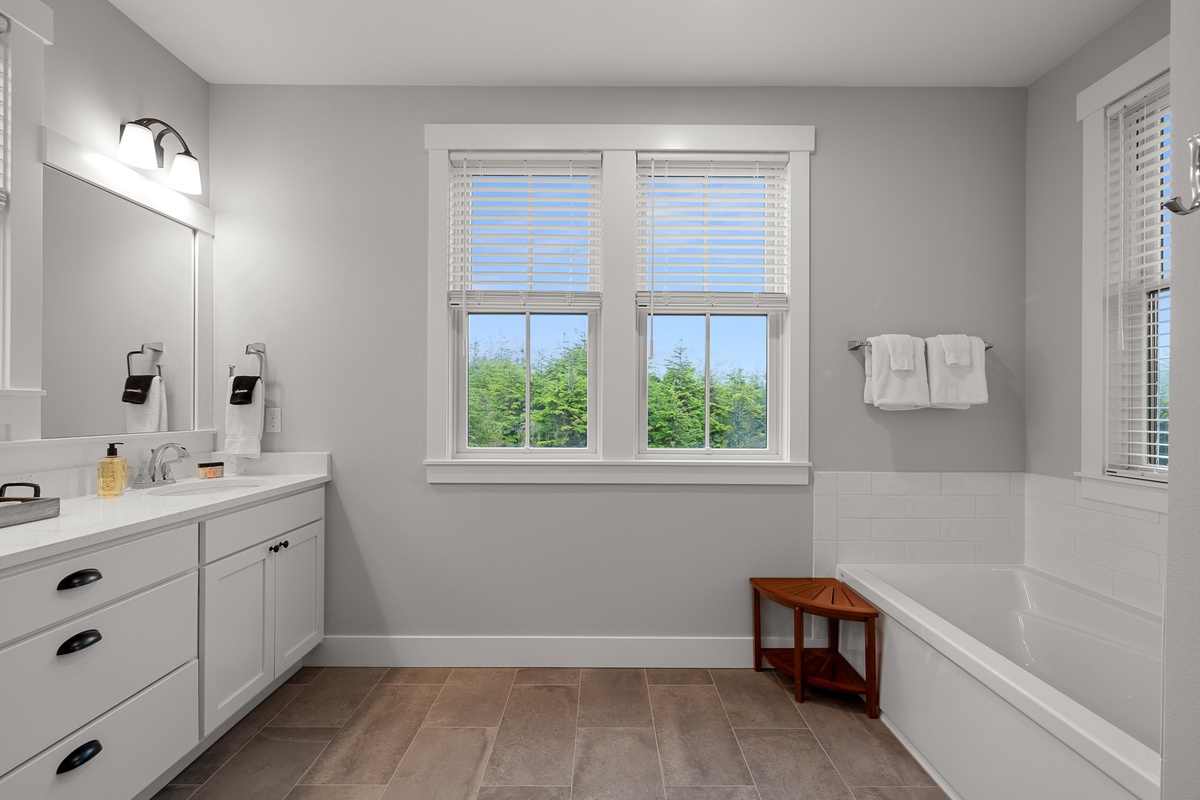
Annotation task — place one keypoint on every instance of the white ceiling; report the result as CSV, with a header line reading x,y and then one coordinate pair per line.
x,y
625,42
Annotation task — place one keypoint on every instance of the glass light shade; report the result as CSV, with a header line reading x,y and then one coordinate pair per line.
x,y
137,146
185,174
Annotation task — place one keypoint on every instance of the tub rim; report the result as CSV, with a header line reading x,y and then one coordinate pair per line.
x,y
1123,758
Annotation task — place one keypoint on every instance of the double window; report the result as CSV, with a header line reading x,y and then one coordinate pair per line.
x,y
617,304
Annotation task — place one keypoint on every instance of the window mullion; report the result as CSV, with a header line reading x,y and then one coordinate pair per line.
x,y
618,379
707,383
528,378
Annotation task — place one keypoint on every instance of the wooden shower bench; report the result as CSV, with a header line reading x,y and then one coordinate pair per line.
x,y
823,667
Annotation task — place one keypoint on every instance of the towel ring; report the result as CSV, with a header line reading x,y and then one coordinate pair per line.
x,y
152,347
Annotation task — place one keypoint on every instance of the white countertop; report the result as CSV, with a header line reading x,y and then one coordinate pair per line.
x,y
89,521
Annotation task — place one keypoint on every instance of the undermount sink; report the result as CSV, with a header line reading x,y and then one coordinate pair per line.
x,y
210,486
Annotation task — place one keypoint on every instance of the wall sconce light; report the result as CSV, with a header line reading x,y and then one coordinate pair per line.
x,y
141,147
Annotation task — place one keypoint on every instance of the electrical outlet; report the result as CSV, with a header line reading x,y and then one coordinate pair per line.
x,y
274,421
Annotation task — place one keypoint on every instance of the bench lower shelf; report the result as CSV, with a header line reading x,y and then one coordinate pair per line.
x,y
823,668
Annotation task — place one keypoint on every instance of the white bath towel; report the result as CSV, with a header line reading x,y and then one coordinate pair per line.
x,y
244,424
150,416
900,349
898,390
957,347
957,386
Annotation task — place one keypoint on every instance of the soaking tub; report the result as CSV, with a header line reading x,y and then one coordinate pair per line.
x,y
1009,683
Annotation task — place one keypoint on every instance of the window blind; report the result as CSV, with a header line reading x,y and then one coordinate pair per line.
x,y
1139,283
525,230
712,230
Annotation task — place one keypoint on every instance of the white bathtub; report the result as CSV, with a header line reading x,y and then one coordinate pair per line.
x,y
1011,683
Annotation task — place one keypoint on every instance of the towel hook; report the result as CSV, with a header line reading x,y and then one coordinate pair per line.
x,y
153,347
1175,204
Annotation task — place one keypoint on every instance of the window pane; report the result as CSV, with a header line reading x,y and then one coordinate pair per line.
x,y
1160,376
496,380
675,383
558,378
738,382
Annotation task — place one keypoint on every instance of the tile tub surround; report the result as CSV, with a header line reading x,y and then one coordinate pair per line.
x,y
917,518
678,734
1118,551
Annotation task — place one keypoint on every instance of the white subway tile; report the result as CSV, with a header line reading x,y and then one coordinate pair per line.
x,y
1049,537
1117,557
906,483
999,552
974,530
1033,555
867,505
941,553
824,517
1016,483
1112,508
1009,506
854,483
1016,529
870,552
825,483
940,506
1088,575
824,559
975,483
1060,490
1143,594
906,530
1142,535
1080,520
853,528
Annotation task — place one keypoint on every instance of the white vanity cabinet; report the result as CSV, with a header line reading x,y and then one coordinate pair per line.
x,y
263,598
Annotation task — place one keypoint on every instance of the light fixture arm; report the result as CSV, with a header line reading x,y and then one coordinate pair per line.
x,y
158,148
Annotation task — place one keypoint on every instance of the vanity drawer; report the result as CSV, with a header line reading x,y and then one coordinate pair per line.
x,y
32,600
233,532
45,695
139,740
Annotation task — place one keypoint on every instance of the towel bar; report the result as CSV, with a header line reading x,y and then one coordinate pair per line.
x,y
856,344
153,347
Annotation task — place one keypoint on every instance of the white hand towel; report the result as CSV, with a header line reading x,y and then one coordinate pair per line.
x,y
868,387
957,347
898,390
954,386
244,424
150,416
900,349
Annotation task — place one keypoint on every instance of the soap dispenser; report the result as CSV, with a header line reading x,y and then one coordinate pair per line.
x,y
110,474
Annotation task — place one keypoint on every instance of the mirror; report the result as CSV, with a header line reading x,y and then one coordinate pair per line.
x,y
115,275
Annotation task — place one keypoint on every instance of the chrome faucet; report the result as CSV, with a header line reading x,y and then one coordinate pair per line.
x,y
160,465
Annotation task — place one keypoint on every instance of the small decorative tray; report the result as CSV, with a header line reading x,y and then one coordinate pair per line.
x,y
17,510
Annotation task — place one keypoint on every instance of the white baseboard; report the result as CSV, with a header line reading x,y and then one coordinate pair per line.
x,y
538,651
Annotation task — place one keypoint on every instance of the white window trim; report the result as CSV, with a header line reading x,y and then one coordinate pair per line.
x,y
1090,105
616,409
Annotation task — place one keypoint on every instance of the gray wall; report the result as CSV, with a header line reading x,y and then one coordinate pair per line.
x,y
918,225
103,70
1053,221
1181,713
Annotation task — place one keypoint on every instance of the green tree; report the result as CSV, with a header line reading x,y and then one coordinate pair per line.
x,y
558,397
495,398
738,410
675,404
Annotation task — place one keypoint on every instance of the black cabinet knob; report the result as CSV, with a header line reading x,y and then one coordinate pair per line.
x,y
285,544
274,548
81,578
80,641
80,756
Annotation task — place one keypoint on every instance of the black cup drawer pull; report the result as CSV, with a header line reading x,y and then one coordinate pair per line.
x,y
81,578
80,756
80,641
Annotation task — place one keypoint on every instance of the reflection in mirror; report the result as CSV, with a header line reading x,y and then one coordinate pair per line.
x,y
115,275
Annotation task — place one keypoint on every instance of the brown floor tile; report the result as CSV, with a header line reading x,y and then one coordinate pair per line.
x,y
174,792
712,793
614,698
305,675
898,793
472,698
695,742
863,750
678,677
371,744
548,675
330,699
789,763
336,793
524,793
536,741
268,767
617,764
755,700
436,675
442,764
236,737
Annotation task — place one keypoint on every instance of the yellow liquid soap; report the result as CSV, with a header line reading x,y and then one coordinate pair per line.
x,y
111,472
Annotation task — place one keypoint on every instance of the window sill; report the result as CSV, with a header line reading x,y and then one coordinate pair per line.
x,y
1123,492
618,472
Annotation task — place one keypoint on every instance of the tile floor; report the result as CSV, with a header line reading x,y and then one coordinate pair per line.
x,y
552,734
